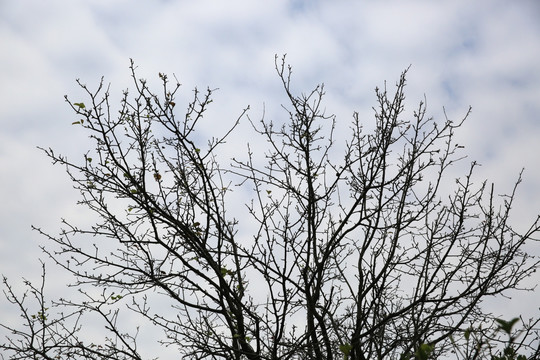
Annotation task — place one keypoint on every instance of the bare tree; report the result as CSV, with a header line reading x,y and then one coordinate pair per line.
x,y
355,255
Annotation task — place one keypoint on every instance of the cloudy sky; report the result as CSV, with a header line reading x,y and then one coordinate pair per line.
x,y
483,53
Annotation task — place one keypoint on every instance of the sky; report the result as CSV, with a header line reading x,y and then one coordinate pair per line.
x,y
483,54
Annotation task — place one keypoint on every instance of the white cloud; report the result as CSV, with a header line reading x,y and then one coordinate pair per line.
x,y
483,54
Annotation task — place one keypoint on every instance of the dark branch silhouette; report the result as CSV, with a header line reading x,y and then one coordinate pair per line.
x,y
358,252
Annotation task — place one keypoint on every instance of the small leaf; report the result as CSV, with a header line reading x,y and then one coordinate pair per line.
x,y
76,122
80,105
424,351
345,349
507,326
467,334
225,272
134,191
157,176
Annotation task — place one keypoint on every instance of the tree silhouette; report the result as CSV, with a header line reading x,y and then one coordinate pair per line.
x,y
352,250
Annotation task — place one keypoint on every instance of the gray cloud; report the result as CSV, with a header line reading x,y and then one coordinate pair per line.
x,y
483,54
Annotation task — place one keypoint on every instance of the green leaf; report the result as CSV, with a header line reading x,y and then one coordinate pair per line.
x,y
76,123
345,349
225,272
80,105
507,326
467,334
424,351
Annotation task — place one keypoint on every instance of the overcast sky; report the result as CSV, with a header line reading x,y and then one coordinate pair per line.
x,y
480,53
